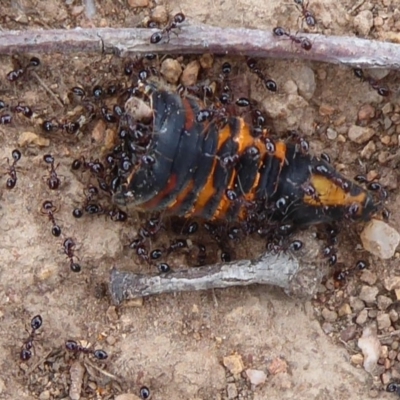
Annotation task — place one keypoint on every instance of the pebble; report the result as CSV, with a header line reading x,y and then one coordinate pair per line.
x,y
290,87
363,22
206,61
394,315
366,112
380,239
357,359
45,395
391,283
387,123
362,317
190,73
386,377
348,333
305,80
383,302
383,321
368,294
127,396
331,134
345,309
378,73
368,150
360,134
234,364
256,377
171,70
369,277
328,328
356,304
328,315
159,14
138,3
326,110
27,139
231,391
387,108
277,366
371,349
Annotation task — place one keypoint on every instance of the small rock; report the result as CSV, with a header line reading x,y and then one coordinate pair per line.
x,y
387,123
134,302
98,131
383,321
190,73
378,21
371,349
384,302
111,314
394,316
255,376
290,87
127,396
326,110
349,333
368,294
362,317
391,283
380,239
27,139
363,22
366,112
277,366
360,134
305,80
344,310
234,364
372,313
368,277
357,359
387,108
206,61
368,150
378,73
386,139
77,10
386,378
138,3
159,14
231,391
331,134
171,70
328,328
356,304
138,109
45,395
328,315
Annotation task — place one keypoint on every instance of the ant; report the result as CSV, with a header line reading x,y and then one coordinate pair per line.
x,y
15,74
176,20
49,209
340,277
269,83
145,392
24,110
26,353
69,245
53,181
381,90
73,346
308,16
304,43
12,172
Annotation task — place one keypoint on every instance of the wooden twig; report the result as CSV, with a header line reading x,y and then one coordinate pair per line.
x,y
198,39
283,269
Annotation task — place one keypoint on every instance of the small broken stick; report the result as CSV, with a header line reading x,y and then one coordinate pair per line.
x,y
297,276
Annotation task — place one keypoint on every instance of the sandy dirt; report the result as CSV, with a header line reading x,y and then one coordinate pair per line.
x,y
178,345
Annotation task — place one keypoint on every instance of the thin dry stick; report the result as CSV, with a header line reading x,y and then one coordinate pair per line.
x,y
47,89
198,39
283,270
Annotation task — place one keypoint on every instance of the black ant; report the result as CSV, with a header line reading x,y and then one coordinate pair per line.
x,y
26,353
269,83
12,172
15,74
382,90
53,181
145,393
308,16
304,43
24,110
68,246
340,277
157,37
73,346
49,209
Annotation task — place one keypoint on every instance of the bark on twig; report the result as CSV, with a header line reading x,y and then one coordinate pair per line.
x,y
282,270
198,39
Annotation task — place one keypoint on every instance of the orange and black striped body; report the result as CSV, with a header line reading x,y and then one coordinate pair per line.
x,y
217,171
